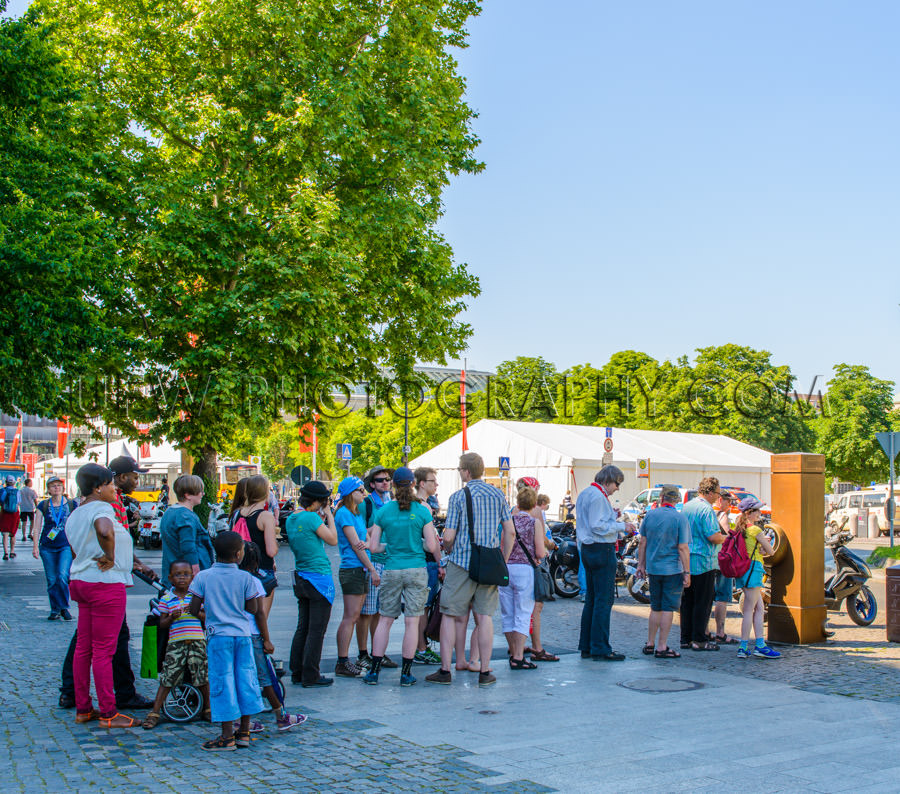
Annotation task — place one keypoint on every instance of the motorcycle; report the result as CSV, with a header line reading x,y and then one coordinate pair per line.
x,y
848,582
564,561
626,569
285,512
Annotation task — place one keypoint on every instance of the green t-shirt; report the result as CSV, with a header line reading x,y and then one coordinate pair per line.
x,y
308,547
401,532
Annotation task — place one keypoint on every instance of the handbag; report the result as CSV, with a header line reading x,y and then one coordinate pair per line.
x,y
433,626
486,563
543,582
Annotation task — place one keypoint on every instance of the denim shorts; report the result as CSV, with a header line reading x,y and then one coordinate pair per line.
x,y
233,684
259,659
724,588
665,592
268,579
433,582
753,577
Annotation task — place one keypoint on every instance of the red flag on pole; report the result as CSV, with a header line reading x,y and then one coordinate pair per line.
x,y
144,449
15,443
2,444
63,428
462,408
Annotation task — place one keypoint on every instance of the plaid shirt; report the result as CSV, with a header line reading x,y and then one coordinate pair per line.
x,y
490,510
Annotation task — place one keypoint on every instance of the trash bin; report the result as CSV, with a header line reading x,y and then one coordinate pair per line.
x,y
874,529
892,597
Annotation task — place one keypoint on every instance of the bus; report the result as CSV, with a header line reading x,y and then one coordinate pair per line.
x,y
16,470
230,471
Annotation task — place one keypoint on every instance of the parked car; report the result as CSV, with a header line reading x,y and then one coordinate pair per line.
x,y
850,504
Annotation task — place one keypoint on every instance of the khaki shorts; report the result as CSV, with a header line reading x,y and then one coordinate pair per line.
x,y
460,592
411,584
354,581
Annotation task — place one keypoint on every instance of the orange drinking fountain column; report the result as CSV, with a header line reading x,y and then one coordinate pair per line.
x,y
797,610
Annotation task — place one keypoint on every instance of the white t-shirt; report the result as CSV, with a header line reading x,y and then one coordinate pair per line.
x,y
83,540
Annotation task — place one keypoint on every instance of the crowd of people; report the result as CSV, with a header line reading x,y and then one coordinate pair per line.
x,y
393,560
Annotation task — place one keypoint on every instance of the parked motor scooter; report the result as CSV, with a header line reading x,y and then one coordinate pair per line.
x,y
564,561
848,582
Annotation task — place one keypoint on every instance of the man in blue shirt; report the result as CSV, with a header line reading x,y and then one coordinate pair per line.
x,y
597,527
706,537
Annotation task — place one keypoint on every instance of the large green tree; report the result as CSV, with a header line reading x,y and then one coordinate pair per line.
x,y
296,151
857,406
62,200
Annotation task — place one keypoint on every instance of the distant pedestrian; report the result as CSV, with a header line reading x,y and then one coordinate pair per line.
x,y
665,554
597,529
403,529
356,569
753,611
183,536
724,594
308,530
229,597
460,591
52,547
27,500
706,536
163,502
9,517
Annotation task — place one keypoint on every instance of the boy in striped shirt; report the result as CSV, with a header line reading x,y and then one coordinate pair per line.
x,y
186,648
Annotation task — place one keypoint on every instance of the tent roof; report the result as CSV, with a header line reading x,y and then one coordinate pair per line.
x,y
541,443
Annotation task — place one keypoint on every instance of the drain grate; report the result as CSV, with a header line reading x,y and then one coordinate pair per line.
x,y
658,686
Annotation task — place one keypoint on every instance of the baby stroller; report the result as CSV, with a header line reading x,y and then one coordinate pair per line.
x,y
184,702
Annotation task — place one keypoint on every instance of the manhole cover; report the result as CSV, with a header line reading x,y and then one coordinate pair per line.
x,y
655,686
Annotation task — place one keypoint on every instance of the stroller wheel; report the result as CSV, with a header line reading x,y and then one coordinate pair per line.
x,y
183,704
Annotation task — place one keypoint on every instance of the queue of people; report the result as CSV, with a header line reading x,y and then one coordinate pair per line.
x,y
221,591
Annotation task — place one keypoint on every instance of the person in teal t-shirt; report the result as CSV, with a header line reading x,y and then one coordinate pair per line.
x,y
406,527
308,530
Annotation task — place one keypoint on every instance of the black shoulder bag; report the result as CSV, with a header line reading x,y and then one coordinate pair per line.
x,y
543,581
486,564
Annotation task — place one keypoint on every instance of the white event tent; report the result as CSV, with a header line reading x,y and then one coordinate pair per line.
x,y
566,458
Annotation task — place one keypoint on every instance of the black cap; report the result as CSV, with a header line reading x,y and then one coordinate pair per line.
x,y
125,464
315,490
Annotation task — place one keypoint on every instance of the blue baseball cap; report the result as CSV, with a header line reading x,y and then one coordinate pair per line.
x,y
404,476
348,485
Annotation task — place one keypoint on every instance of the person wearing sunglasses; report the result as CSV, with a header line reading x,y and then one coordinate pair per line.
x,y
378,484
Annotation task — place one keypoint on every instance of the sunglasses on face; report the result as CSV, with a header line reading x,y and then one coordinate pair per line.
x,y
381,479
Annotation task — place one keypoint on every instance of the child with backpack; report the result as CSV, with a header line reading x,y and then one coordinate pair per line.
x,y
751,581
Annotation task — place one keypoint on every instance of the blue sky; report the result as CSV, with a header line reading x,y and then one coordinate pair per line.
x,y
665,176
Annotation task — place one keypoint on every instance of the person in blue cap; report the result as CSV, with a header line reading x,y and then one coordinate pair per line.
x,y
356,568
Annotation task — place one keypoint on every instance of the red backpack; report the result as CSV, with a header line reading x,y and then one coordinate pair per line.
x,y
734,561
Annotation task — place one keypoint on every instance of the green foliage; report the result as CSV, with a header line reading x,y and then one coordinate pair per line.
x,y
293,159
858,405
61,200
524,389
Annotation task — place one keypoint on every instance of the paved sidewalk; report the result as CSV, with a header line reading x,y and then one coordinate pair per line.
x,y
645,724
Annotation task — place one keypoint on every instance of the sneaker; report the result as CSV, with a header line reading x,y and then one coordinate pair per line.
x,y
439,677
388,663
407,680
288,721
347,669
322,681
432,656
486,679
66,615
255,727
53,616
743,653
370,678
364,661
420,658
766,653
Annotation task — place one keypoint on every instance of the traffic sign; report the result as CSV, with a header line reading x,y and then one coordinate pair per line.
x,y
609,432
407,449
890,443
606,460
301,475
607,444
345,451
504,464
642,467
255,460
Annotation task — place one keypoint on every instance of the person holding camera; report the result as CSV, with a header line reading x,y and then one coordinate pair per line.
x,y
308,530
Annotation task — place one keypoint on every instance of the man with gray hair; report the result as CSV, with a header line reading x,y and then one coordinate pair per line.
x,y
664,554
597,528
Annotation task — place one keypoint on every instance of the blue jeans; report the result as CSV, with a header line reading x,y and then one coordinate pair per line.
x,y
600,569
57,564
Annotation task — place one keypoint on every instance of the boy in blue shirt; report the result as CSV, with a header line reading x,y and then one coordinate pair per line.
x,y
229,597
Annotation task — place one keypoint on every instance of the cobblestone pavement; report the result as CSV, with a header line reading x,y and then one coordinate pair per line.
x,y
538,736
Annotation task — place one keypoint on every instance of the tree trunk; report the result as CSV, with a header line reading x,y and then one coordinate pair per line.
x,y
206,467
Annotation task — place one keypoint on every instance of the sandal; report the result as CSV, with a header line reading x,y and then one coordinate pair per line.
x,y
668,653
150,721
543,656
242,738
527,652
648,649
705,646
685,646
521,664
119,721
219,744
724,639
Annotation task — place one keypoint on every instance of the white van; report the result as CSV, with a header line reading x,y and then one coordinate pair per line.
x,y
872,500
